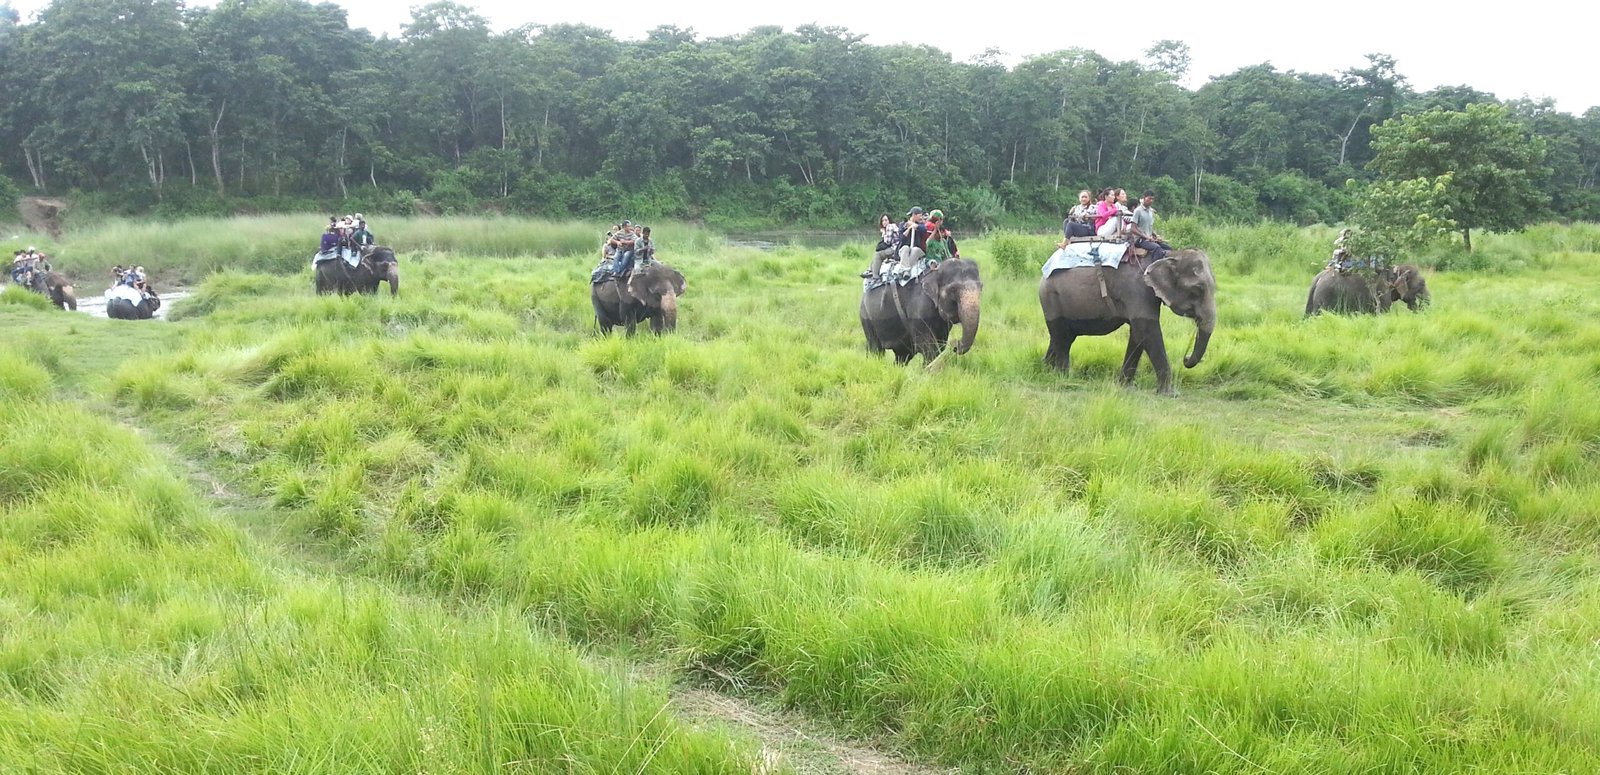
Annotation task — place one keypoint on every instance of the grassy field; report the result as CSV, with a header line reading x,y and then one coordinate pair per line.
x,y
1352,544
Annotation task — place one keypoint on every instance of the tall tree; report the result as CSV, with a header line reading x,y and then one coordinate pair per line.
x,y
1493,165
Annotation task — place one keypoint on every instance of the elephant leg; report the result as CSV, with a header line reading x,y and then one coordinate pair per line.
x,y
903,355
873,346
1148,332
1131,358
1059,355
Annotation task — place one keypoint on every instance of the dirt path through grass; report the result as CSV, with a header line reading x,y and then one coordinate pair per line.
x,y
788,742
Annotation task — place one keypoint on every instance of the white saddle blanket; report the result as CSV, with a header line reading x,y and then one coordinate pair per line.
x,y
1078,254
351,257
124,292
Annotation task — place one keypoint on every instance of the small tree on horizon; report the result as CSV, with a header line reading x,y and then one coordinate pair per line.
x,y
1396,218
1492,163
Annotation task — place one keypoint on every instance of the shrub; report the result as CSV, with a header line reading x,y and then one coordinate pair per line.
x,y
1018,255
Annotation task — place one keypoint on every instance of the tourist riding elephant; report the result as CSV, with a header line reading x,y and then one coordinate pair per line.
x,y
377,264
127,303
1094,301
917,317
1367,292
649,292
55,286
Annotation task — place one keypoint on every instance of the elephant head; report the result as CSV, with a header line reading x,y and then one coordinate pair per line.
x,y
1406,284
658,286
385,268
955,288
1184,282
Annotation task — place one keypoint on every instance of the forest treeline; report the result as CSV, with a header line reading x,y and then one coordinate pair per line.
x,y
273,104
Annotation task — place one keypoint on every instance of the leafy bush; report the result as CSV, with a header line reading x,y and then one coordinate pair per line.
x,y
22,297
9,194
1019,255
1186,232
979,209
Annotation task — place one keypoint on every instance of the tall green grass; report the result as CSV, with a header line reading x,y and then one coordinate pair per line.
x,y
139,633
184,252
1353,544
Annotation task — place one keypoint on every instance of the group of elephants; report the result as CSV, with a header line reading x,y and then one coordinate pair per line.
x,y
917,317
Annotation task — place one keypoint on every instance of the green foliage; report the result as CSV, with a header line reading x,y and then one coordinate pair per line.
x,y
18,295
248,108
9,194
1483,167
1019,255
1400,218
979,209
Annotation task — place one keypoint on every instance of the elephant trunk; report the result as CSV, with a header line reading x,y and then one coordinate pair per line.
x,y
967,311
393,277
669,310
1202,337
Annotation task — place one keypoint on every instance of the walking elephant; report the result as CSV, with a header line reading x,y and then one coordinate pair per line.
x,y
649,292
1367,292
377,264
55,286
127,303
1094,301
917,317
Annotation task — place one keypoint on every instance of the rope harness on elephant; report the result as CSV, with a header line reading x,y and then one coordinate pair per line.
x,y
900,307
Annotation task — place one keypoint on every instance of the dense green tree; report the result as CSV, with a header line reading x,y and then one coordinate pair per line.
x,y
281,97
1494,166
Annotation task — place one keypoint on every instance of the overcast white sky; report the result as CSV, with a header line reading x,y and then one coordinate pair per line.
x,y
1510,50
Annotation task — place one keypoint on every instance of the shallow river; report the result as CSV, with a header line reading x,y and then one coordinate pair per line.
x,y
96,305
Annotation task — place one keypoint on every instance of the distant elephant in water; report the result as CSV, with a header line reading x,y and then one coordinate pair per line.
x,y
917,317
55,286
1094,301
377,264
1365,292
126,303
649,292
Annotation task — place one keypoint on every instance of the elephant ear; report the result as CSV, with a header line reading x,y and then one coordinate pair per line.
x,y
1400,280
932,283
1179,277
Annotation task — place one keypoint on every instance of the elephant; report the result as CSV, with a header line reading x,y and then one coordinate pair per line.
x,y
649,292
126,303
1094,301
378,264
55,286
1366,292
916,318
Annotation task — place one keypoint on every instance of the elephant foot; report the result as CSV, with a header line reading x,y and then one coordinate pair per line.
x,y
1167,390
